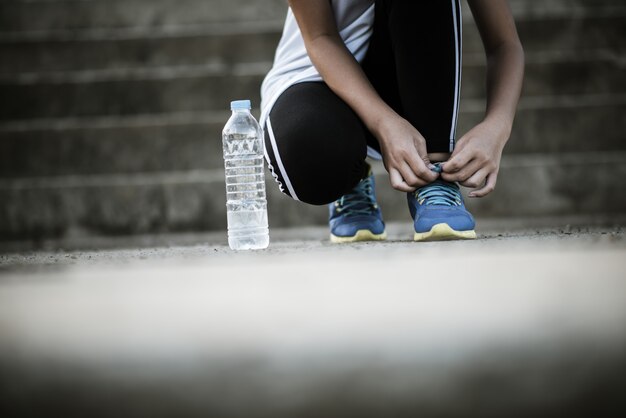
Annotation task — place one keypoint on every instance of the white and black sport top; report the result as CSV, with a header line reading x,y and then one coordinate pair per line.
x,y
292,65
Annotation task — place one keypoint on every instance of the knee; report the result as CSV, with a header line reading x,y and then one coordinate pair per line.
x,y
330,180
313,176
317,146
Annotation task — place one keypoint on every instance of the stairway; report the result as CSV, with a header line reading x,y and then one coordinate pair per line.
x,y
111,113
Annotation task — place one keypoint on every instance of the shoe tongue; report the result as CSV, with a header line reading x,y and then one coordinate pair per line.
x,y
440,193
447,184
358,201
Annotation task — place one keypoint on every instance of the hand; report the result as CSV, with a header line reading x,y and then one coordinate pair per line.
x,y
404,155
476,159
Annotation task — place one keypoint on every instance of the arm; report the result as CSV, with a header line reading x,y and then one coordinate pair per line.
x,y
476,158
403,148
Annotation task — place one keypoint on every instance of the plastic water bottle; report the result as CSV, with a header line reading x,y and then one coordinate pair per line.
x,y
242,141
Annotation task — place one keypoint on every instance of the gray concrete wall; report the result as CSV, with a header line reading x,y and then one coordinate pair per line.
x,y
111,112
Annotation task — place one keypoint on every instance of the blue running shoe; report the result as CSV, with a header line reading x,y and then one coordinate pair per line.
x,y
439,213
356,215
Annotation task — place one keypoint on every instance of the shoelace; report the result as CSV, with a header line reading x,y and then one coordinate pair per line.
x,y
359,201
440,193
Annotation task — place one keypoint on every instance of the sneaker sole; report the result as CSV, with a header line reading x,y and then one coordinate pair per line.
x,y
361,235
443,232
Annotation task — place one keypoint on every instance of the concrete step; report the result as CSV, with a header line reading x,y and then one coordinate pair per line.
x,y
538,8
136,92
169,142
210,87
566,73
554,32
582,124
47,15
253,42
528,185
215,44
192,141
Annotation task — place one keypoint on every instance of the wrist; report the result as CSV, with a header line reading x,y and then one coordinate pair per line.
x,y
383,123
501,125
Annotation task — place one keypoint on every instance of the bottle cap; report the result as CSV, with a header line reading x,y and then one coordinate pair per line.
x,y
240,104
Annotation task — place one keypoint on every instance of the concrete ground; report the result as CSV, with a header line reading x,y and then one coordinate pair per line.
x,y
84,250
525,321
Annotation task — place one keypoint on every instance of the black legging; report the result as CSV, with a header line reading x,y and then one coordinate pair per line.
x,y
413,62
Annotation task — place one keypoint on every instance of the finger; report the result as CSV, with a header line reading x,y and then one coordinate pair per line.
x,y
397,182
420,169
477,179
489,186
421,166
409,176
464,173
457,162
420,146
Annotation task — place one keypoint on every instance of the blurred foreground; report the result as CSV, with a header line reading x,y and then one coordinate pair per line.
x,y
520,323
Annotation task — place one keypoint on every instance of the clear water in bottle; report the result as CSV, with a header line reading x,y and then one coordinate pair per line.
x,y
242,141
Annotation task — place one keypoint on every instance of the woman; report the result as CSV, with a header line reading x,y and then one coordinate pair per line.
x,y
382,78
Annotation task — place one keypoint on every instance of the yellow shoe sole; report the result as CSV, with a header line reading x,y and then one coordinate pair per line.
x,y
443,232
361,235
